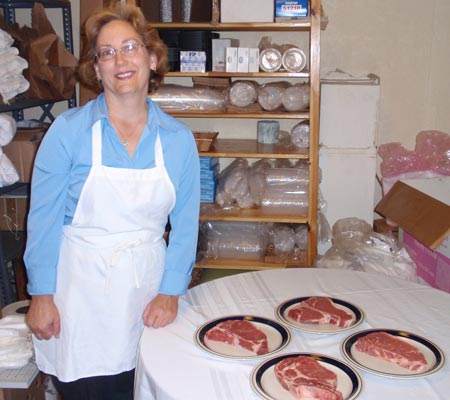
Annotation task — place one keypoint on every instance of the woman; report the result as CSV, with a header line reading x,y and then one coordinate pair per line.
x,y
107,176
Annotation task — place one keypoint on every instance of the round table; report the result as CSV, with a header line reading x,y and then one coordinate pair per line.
x,y
171,366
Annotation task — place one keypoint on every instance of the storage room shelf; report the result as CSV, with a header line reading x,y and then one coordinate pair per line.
x,y
301,24
246,264
213,212
243,114
304,74
249,148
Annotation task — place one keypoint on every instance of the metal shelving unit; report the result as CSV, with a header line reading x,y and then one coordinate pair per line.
x,y
9,14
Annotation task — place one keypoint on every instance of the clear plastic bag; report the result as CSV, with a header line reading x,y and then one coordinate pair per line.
x,y
184,98
357,247
243,93
296,97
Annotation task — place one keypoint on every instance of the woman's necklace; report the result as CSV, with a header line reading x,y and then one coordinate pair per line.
x,y
124,139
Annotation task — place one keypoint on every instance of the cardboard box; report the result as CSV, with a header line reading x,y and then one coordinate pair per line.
x,y
13,214
218,52
421,208
291,8
253,59
22,151
231,54
242,65
247,11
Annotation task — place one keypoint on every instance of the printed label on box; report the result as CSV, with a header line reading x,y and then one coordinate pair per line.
x,y
291,8
232,59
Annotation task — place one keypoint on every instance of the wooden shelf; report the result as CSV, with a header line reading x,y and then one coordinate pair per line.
x,y
249,148
213,212
246,264
303,24
282,74
252,115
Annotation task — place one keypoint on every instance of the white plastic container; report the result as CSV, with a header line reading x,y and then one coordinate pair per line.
x,y
348,183
349,109
247,10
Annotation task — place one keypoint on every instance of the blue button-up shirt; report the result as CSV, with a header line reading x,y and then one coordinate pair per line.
x,y
62,165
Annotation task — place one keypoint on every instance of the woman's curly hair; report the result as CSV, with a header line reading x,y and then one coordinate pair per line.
x,y
127,13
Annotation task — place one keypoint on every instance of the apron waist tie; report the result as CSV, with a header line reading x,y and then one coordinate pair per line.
x,y
114,258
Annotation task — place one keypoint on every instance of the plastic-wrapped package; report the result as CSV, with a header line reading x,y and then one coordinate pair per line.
x,y
270,55
270,95
270,59
257,184
243,93
233,185
301,236
296,97
280,176
235,240
262,165
300,134
189,99
15,342
285,199
431,153
356,246
282,163
238,246
283,239
293,59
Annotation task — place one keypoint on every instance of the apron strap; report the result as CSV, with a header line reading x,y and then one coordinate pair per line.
x,y
97,143
159,158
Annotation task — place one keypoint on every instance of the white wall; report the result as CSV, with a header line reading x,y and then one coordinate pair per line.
x,y
406,43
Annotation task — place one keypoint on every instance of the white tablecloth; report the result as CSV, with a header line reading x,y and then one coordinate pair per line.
x,y
171,366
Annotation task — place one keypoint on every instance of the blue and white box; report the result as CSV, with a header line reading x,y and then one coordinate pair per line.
x,y
208,162
192,61
291,8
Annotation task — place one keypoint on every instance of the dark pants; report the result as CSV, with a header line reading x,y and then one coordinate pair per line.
x,y
111,387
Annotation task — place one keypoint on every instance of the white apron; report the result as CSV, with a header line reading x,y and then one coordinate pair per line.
x,y
110,267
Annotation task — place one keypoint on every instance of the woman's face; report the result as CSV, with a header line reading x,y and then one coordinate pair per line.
x,y
126,72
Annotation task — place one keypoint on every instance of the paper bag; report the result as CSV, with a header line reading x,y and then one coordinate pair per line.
x,y
52,67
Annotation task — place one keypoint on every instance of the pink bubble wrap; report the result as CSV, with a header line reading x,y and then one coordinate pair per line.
x,y
431,153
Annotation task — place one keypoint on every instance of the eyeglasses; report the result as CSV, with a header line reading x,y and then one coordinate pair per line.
x,y
108,53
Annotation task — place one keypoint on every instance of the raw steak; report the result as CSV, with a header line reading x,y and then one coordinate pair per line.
x,y
320,310
240,333
395,350
305,377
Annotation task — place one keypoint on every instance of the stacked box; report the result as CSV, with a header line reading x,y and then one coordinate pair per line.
x,y
209,169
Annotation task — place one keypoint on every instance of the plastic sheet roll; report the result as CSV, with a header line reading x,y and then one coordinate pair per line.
x,y
279,176
283,239
294,60
184,98
300,134
243,93
244,247
270,60
285,202
296,98
270,95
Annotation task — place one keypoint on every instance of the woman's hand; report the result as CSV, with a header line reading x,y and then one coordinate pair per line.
x,y
43,317
161,311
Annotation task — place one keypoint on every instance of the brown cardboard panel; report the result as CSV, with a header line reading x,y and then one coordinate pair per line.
x,y
22,151
422,216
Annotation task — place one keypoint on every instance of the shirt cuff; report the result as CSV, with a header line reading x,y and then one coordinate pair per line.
x,y
174,283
